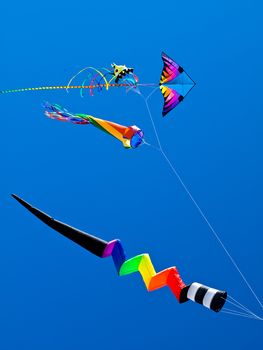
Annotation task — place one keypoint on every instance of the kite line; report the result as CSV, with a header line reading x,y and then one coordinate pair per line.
x,y
202,214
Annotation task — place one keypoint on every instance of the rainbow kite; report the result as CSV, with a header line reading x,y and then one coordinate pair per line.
x,y
130,136
209,297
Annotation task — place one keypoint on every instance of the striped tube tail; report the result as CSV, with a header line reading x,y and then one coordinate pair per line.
x,y
211,298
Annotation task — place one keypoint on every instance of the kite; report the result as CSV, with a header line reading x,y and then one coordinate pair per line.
x,y
174,83
130,136
119,72
211,298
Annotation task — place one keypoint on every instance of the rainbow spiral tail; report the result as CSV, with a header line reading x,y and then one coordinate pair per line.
x,y
142,264
209,297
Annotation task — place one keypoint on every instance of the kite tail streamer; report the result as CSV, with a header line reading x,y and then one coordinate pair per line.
x,y
64,87
37,89
208,297
55,111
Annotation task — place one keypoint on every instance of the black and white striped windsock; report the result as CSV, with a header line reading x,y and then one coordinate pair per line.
x,y
211,298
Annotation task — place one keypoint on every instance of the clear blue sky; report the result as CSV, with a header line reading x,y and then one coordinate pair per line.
x,y
55,295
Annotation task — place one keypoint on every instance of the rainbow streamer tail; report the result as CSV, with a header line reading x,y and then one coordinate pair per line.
x,y
55,111
39,88
66,87
175,84
209,297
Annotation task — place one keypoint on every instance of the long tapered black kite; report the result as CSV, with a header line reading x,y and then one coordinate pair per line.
x,y
209,297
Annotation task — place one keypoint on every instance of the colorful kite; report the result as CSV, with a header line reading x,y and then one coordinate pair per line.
x,y
130,136
209,297
174,83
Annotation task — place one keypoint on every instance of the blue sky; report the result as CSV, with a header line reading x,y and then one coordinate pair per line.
x,y
55,295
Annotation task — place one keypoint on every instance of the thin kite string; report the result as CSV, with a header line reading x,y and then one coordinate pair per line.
x,y
239,315
234,312
237,312
211,228
244,309
238,304
148,144
195,203
152,121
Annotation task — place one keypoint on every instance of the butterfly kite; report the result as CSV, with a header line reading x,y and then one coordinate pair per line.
x,y
174,83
